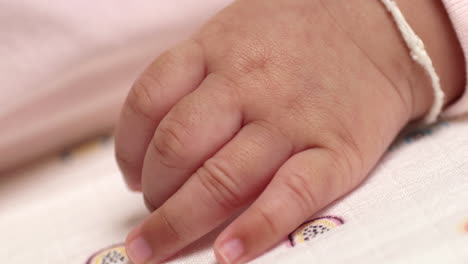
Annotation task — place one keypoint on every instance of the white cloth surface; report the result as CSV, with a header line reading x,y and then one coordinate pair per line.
x,y
412,209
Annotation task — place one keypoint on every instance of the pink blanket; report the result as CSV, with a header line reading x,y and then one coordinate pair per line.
x,y
66,66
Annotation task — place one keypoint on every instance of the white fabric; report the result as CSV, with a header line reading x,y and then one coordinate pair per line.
x,y
410,210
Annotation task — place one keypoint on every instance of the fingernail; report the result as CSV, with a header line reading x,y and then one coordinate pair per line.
x,y
139,250
231,250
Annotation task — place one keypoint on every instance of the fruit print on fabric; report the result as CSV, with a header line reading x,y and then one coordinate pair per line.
x,y
112,255
311,229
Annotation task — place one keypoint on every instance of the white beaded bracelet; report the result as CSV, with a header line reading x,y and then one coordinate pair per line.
x,y
419,55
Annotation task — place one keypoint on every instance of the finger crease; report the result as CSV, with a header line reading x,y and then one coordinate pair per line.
x,y
270,223
134,106
219,189
304,195
175,234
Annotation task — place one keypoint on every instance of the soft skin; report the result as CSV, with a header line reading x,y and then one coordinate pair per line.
x,y
278,107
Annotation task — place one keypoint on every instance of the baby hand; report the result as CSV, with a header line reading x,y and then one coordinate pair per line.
x,y
276,107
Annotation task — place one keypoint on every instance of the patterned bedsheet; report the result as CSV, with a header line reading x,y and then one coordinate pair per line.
x,y
74,208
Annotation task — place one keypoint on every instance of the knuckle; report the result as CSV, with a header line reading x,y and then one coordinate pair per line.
x,y
230,96
271,132
243,56
257,56
219,183
151,84
140,100
216,28
168,61
169,144
248,62
301,103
